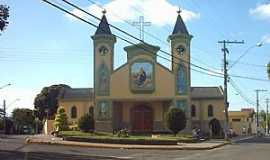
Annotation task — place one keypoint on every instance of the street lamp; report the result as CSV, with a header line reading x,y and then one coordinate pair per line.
x,y
244,53
12,102
5,85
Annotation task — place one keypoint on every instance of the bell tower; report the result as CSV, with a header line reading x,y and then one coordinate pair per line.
x,y
180,44
104,42
180,50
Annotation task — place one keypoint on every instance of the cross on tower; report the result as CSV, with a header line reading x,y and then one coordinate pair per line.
x,y
179,10
141,24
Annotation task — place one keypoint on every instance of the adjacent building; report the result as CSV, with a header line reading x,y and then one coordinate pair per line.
x,y
243,122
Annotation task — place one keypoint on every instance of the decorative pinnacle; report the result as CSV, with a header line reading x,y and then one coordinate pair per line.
x,y
104,11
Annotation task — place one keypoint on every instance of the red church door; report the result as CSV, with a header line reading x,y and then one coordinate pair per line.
x,y
141,119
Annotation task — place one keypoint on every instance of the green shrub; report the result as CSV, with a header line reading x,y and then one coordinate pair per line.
x,y
60,122
176,120
86,123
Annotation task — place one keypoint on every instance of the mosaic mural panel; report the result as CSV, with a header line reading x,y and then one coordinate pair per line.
x,y
182,104
104,110
181,80
142,76
103,80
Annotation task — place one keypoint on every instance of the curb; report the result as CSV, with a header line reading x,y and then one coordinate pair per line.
x,y
116,146
241,139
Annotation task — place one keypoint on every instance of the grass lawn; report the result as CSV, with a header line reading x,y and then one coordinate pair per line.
x,y
105,135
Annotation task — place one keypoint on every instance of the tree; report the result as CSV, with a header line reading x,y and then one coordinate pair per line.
x,y
268,70
47,99
4,14
22,117
176,120
60,122
86,123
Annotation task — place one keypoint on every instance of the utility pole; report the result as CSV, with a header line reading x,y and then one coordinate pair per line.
x,y
257,107
225,68
4,116
267,126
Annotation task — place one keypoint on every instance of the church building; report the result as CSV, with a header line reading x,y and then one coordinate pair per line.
x,y
138,94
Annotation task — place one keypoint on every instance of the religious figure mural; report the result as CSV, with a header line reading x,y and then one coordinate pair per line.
x,y
103,79
181,80
142,76
103,110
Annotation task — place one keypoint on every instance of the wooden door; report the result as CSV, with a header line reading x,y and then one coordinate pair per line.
x,y
141,119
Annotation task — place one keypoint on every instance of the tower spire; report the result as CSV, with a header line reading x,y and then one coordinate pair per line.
x,y
103,27
180,26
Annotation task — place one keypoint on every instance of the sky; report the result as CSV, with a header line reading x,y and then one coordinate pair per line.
x,y
43,46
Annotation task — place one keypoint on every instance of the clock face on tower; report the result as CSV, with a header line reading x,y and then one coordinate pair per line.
x,y
103,50
180,50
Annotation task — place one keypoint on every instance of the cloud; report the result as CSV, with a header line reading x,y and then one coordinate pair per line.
x,y
266,39
262,11
158,12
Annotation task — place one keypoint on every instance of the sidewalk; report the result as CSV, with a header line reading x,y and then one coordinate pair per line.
x,y
42,139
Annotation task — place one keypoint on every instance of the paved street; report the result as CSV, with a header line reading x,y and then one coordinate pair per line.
x,y
14,148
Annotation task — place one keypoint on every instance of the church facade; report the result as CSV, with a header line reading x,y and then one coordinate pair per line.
x,y
138,94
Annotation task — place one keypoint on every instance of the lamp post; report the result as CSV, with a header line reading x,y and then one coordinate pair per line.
x,y
244,53
5,111
6,85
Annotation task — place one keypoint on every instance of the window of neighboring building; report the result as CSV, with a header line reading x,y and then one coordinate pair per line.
x,y
74,112
91,110
193,111
236,119
210,111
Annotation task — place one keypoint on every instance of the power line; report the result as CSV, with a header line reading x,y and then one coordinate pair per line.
x,y
239,91
243,54
148,33
226,104
75,6
249,64
250,78
128,41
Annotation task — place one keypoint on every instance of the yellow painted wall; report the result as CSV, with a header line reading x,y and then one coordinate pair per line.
x,y
164,85
107,58
81,105
202,109
245,121
238,115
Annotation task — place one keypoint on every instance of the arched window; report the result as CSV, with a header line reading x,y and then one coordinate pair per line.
x,y
91,110
210,111
193,111
74,112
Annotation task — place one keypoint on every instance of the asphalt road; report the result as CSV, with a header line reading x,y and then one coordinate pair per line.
x,y
13,148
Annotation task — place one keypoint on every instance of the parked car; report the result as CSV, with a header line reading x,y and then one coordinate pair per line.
x,y
26,129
